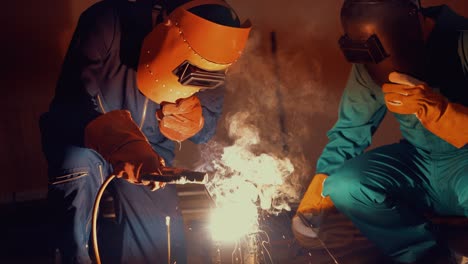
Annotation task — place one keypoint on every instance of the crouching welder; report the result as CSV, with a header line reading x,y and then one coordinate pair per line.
x,y
135,80
412,62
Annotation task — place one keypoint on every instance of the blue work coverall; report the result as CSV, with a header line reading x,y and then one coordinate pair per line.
x,y
386,191
98,76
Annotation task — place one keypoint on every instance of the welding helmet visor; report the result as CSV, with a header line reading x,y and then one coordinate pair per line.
x,y
187,53
384,35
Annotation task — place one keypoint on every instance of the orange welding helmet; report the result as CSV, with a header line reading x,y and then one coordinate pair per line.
x,y
385,36
188,52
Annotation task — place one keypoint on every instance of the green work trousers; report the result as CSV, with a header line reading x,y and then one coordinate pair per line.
x,y
386,193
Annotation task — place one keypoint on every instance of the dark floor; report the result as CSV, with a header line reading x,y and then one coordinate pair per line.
x,y
25,239
24,234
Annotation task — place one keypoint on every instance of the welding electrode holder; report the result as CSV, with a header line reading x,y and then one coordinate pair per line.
x,y
176,175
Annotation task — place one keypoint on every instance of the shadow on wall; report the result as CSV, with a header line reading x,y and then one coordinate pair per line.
x,y
35,36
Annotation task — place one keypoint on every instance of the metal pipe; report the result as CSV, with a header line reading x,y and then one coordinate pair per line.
x,y
279,96
168,224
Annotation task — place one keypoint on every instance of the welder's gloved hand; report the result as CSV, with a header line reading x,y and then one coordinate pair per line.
x,y
408,95
306,222
313,201
181,120
118,139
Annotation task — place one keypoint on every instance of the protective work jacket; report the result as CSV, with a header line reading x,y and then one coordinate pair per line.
x,y
98,76
362,106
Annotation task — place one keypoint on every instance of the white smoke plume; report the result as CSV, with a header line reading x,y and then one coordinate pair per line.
x,y
263,88
241,173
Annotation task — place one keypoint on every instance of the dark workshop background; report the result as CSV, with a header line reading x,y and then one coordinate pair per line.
x,y
310,75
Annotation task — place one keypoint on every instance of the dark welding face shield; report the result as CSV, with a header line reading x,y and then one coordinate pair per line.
x,y
384,35
363,51
189,74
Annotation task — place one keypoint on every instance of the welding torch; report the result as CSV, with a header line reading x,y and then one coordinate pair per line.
x,y
171,175
168,175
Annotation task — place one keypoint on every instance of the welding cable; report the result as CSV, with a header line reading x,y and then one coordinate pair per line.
x,y
94,217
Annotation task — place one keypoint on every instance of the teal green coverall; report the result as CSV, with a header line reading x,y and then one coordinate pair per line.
x,y
386,191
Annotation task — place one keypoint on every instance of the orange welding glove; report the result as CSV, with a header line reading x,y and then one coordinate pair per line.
x,y
306,223
118,139
408,95
313,200
181,120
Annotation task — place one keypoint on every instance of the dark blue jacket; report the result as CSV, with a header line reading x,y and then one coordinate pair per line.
x,y
99,75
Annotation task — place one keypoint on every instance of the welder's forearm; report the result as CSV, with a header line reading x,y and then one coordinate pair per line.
x,y
348,139
209,128
212,104
341,148
360,112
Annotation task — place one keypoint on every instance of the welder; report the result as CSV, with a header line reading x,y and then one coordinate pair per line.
x,y
411,62
138,77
